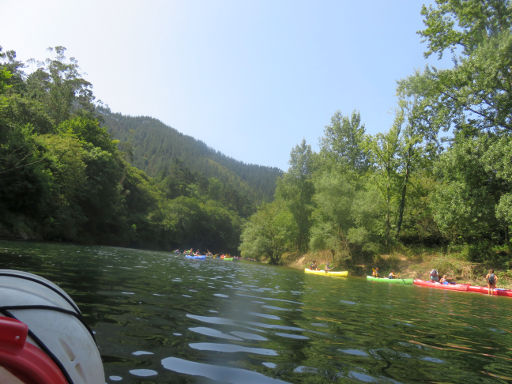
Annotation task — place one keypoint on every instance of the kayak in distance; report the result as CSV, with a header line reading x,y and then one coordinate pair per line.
x,y
485,290
323,272
391,281
195,257
449,286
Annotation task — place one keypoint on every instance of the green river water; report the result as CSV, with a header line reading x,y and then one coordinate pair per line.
x,y
160,318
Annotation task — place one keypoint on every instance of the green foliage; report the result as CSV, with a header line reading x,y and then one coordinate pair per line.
x,y
475,94
24,179
161,151
88,130
372,192
296,189
464,203
62,176
268,233
65,161
343,141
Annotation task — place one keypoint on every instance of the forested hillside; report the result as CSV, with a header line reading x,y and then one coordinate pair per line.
x,y
155,148
64,178
364,195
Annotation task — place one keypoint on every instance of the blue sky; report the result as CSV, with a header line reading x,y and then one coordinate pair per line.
x,y
250,78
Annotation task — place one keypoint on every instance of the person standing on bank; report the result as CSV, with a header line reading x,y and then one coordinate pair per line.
x,y
491,281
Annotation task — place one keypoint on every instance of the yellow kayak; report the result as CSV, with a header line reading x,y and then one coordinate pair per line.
x,y
323,272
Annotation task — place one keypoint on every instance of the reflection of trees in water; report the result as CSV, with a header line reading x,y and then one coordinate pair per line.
x,y
79,270
267,302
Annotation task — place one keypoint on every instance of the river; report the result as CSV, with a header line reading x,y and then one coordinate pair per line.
x,y
160,318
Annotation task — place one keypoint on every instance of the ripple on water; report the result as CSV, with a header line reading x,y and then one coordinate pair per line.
x,y
322,325
218,373
213,333
354,352
249,336
115,378
270,299
432,359
143,372
304,369
275,326
292,336
142,353
348,302
362,377
265,316
211,319
231,348
276,308
221,295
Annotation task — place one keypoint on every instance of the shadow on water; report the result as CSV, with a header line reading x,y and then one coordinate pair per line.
x,y
160,318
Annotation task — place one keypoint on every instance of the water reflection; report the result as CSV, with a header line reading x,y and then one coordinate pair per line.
x,y
161,318
218,373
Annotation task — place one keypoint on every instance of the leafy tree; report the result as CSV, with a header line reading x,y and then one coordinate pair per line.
x,y
464,203
343,141
334,197
475,94
58,84
296,189
65,161
497,162
385,149
24,180
267,234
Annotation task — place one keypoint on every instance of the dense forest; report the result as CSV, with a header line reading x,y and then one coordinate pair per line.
x,y
440,176
64,178
178,161
156,148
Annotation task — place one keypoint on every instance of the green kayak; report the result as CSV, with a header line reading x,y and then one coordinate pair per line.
x,y
386,280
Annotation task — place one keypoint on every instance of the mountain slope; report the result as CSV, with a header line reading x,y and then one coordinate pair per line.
x,y
154,147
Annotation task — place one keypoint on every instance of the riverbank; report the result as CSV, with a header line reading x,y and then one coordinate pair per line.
x,y
416,265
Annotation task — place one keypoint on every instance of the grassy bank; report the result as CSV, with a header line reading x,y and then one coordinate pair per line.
x,y
414,263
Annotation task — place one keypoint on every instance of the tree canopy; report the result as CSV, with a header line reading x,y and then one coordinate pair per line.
x,y
442,172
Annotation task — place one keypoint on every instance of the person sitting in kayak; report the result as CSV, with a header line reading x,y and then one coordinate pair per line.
x,y
391,275
375,272
313,266
434,276
445,280
491,281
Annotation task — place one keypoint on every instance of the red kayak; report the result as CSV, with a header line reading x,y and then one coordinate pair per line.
x,y
451,287
485,290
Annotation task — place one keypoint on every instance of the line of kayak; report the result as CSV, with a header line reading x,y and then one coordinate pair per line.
x,y
391,281
203,257
323,272
464,288
418,282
